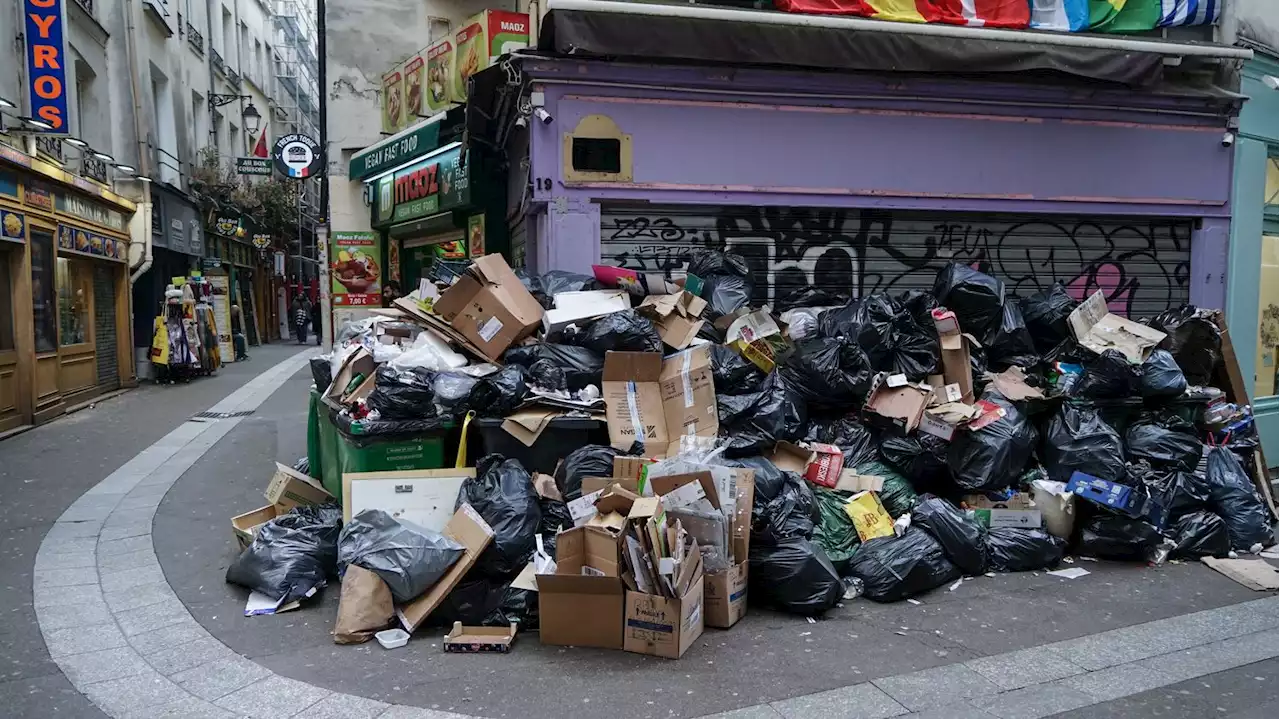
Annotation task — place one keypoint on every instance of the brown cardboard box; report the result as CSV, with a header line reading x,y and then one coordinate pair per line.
x,y
632,392
688,394
725,593
471,531
1096,328
677,317
357,363
245,526
577,609
1018,511
490,307
956,370
592,484
667,627
901,407
630,467
819,463
290,488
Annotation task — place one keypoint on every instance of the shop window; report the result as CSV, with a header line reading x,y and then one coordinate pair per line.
x,y
6,299
43,310
75,298
1266,378
597,154
597,151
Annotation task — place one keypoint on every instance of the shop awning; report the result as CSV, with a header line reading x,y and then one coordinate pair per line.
x,y
701,34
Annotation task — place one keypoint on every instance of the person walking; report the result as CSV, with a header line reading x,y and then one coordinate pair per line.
x,y
238,339
301,317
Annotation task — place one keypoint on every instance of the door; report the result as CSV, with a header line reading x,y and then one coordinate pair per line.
x,y
77,366
10,400
104,320
44,320
1142,264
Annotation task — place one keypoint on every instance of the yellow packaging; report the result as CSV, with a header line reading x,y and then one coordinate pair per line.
x,y
868,516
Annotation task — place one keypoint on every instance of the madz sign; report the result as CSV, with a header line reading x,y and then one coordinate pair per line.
x,y
46,63
434,185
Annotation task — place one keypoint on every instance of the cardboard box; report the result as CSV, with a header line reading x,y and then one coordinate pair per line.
x,y
479,640
956,370
583,610
678,317
482,39
760,338
1017,511
667,627
245,526
869,516
594,484
490,307
724,597
625,467
471,531
440,59
358,364
688,394
902,407
819,463
632,392
1094,327
290,488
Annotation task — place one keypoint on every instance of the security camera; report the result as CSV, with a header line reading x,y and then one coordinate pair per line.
x,y
1228,139
543,116
521,122
1271,81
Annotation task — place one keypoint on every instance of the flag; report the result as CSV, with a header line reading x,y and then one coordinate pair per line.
x,y
260,147
984,13
1060,15
1123,16
1189,12
976,13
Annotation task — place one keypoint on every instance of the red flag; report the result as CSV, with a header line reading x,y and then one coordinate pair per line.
x,y
260,147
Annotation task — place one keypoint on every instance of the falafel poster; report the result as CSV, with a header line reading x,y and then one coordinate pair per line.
x,y
355,269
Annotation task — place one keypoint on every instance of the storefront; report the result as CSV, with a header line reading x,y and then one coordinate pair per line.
x,y
230,265
1254,278
177,244
65,335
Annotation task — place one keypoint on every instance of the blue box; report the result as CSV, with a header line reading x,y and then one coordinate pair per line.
x,y
1135,502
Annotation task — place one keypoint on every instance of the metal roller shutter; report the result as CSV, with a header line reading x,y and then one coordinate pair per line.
x,y
1143,264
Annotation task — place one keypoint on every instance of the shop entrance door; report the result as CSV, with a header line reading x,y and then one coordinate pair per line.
x,y
10,410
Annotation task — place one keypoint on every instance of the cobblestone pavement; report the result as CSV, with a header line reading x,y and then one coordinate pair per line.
x,y
123,610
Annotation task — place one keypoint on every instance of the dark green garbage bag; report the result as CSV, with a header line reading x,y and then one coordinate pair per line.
x,y
835,532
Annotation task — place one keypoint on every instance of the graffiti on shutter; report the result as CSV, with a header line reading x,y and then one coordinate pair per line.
x,y
1143,265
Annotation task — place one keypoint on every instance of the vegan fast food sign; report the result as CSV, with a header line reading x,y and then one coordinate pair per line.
x,y
46,63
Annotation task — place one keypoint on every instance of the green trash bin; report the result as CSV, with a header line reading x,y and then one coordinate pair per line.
x,y
330,474
368,447
313,435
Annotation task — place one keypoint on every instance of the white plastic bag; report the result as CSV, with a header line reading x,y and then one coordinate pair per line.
x,y
429,352
1057,506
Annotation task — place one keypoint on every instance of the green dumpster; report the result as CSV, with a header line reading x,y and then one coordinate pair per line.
x,y
360,446
330,474
313,435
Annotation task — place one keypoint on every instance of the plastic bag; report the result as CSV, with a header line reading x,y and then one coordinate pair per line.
x,y
835,532
1011,343
726,294
976,298
897,495
922,459
894,568
403,393
1122,539
452,391
409,558
1178,492
1109,376
487,602
625,331
1232,496
544,288
429,352
754,423
500,393
732,373
545,374
291,555
581,366
1161,377
303,465
991,458
1046,313
962,539
920,305
1193,339
887,333
855,441
808,297
1199,534
1077,439
367,432
1164,446
592,460
782,509
502,494
827,373
1014,549
802,322
793,575
321,373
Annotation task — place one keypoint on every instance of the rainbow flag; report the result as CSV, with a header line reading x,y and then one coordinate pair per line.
x,y
977,13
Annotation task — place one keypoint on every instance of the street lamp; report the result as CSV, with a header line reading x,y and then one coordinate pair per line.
x,y
252,119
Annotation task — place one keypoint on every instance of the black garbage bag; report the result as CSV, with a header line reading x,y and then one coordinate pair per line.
x,y
544,288
403,393
502,494
592,460
920,305
625,331
754,423
555,517
726,294
922,459
835,532
303,465
1118,538
855,441
1162,378
409,558
581,366
487,602
784,508
827,373
793,575
1015,549
1232,497
1108,376
976,298
321,373
889,335
1199,534
732,373
963,540
1178,492
367,432
1193,339
1164,444
897,495
707,263
991,458
1011,343
895,568
808,297
451,391
547,375
1076,439
499,394
1045,313
291,555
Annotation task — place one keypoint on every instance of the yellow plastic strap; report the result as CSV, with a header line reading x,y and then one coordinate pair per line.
x,y
462,443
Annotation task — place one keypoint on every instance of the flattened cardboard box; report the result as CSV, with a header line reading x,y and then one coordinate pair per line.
x,y
632,392
577,609
290,488
688,394
490,307
1096,328
664,627
677,317
471,531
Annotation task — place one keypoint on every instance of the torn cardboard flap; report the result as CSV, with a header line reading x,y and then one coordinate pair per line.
x,y
954,355
527,425
1012,385
615,498
851,481
358,364
943,420
670,483
545,486
471,531
677,317
902,407
1094,327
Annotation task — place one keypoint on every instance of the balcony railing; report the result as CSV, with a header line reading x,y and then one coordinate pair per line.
x,y
86,5
233,79
218,65
195,39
